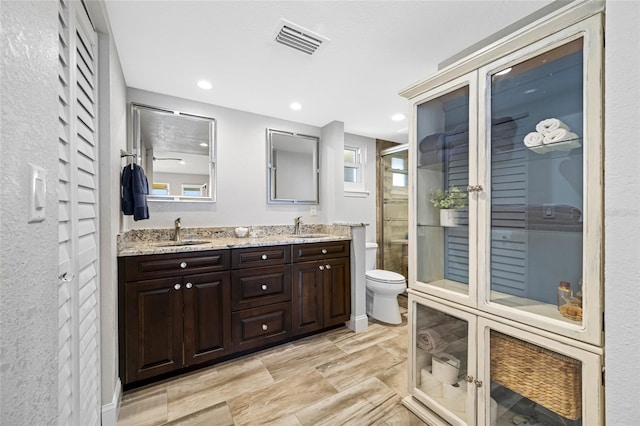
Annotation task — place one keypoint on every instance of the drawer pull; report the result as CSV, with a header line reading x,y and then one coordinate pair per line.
x,y
183,265
263,286
264,257
321,267
324,251
264,327
328,266
177,286
189,285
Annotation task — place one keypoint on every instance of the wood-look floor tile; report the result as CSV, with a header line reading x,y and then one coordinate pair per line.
x,y
397,346
399,416
353,368
295,360
146,410
396,378
351,406
277,402
373,335
231,380
218,415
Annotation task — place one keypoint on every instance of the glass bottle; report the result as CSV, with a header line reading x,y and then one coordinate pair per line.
x,y
564,293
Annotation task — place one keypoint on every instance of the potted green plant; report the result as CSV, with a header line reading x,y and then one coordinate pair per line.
x,y
449,200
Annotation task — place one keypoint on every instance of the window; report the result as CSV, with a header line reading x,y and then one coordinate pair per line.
x,y
160,188
353,169
399,172
194,190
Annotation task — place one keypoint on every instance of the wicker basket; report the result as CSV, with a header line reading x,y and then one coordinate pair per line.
x,y
545,377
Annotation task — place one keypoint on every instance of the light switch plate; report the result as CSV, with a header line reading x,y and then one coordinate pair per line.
x,y
314,211
37,193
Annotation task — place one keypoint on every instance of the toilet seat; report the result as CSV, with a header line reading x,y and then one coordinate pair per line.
x,y
382,276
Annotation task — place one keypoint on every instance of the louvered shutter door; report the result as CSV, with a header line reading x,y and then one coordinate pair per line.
x,y
79,362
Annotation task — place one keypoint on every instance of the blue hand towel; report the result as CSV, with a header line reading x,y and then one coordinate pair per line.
x,y
134,192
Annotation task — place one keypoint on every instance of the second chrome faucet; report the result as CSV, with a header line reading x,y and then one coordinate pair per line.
x,y
177,227
296,225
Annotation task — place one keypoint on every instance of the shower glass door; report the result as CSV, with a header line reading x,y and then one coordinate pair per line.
x,y
395,209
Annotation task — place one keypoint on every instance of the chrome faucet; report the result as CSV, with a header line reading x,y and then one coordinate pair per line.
x,y
296,225
177,227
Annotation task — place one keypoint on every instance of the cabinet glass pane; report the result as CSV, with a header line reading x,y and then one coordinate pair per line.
x,y
536,173
443,167
441,359
533,385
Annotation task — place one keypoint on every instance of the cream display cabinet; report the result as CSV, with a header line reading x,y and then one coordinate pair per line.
x,y
506,223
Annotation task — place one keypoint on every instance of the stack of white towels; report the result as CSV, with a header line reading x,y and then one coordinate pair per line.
x,y
550,135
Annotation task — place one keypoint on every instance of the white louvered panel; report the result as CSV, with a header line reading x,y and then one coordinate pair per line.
x,y
79,381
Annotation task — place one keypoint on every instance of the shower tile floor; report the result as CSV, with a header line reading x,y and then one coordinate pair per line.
x,y
333,378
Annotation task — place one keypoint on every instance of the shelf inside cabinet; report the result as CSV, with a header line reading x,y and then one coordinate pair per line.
x,y
532,306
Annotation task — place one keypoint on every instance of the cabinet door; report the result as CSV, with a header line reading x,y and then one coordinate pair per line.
x,y
153,327
525,376
542,197
443,159
442,355
307,297
207,317
337,291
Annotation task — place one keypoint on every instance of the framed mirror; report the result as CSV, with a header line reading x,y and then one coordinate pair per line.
x,y
293,168
176,151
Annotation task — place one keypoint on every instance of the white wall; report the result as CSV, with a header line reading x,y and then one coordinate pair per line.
x,y
363,209
28,252
622,212
241,174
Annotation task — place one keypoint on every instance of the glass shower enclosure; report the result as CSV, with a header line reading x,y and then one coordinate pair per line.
x,y
394,199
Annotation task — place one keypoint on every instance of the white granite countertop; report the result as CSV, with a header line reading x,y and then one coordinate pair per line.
x,y
163,244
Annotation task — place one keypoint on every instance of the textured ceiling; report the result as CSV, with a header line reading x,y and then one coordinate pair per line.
x,y
376,48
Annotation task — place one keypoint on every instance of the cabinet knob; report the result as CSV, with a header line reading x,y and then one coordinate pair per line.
x,y
478,383
263,286
264,257
188,285
264,327
183,265
176,286
469,379
328,266
321,267
474,188
324,251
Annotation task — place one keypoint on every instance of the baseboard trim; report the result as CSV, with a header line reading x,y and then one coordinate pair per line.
x,y
358,324
110,410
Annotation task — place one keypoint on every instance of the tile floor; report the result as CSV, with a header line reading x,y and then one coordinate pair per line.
x,y
334,378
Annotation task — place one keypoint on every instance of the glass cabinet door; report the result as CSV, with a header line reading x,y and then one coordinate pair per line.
x,y
534,212
445,166
530,379
441,339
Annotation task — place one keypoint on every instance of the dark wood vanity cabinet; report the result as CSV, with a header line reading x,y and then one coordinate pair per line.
x,y
173,322
184,309
321,287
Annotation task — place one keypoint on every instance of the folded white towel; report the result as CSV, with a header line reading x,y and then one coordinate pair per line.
x,y
549,125
533,139
559,135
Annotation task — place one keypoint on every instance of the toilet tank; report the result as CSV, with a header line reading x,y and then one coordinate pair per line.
x,y
371,249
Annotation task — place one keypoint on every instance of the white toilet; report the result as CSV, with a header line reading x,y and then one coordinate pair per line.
x,y
383,288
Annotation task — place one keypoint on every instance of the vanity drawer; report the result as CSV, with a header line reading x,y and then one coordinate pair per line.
x,y
317,251
165,265
255,287
260,256
253,328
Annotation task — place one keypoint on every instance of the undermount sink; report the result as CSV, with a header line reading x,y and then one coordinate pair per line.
x,y
310,235
181,243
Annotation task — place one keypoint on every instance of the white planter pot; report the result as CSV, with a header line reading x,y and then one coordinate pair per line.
x,y
448,218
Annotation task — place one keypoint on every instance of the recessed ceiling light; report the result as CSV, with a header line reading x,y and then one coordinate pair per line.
x,y
204,144
398,117
204,84
295,106
505,71
182,162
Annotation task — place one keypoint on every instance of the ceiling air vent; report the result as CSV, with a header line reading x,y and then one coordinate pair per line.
x,y
299,38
